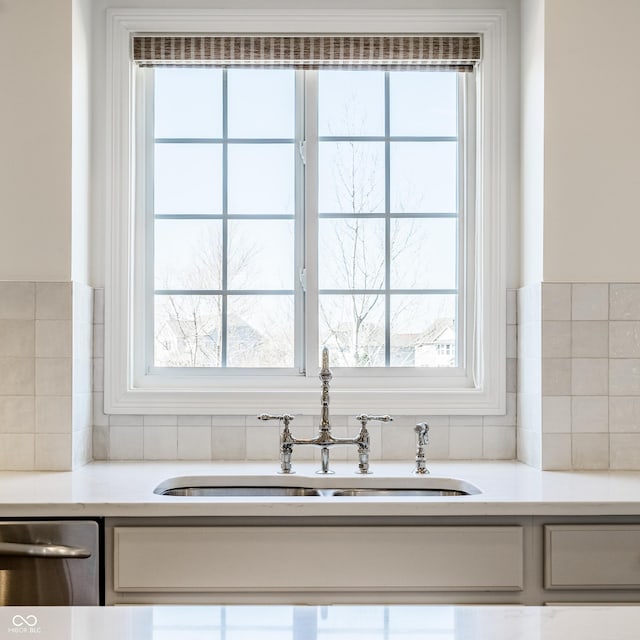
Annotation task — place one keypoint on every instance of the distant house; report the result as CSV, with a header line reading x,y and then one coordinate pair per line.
x,y
436,347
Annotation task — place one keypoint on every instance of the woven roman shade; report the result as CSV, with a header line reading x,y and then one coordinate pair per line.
x,y
450,52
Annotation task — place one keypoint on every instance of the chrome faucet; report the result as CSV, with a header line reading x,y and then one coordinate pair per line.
x,y
422,439
324,439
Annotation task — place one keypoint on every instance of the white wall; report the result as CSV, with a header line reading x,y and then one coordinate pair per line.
x,y
35,130
532,138
592,137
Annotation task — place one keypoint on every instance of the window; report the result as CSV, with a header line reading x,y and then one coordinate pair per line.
x,y
274,211
234,164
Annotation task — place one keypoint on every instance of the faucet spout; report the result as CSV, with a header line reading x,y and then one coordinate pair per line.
x,y
325,377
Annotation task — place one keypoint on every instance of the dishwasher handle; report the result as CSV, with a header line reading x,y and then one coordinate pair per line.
x,y
42,550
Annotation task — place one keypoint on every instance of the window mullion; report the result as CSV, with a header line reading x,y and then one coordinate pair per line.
x,y
225,221
311,224
387,220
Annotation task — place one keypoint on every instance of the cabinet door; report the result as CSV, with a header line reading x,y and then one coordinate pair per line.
x,y
592,556
209,559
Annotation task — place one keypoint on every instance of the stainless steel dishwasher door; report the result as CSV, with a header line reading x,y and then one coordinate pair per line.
x,y
49,563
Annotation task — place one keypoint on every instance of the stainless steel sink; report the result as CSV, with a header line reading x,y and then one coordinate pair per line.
x,y
387,493
257,487
239,492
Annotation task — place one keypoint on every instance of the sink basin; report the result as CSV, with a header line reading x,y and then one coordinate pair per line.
x,y
258,487
239,492
386,493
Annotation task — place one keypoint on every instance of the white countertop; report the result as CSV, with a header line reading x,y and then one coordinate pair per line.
x,y
318,623
126,489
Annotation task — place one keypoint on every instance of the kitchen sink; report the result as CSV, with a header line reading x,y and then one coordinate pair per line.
x,y
239,492
213,487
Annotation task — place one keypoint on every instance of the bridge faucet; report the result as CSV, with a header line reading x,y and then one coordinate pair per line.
x,y
324,438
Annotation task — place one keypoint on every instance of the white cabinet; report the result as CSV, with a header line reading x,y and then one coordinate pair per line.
x,y
329,559
592,556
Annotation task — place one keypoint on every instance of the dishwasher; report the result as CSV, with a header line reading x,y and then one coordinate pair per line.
x,y
49,562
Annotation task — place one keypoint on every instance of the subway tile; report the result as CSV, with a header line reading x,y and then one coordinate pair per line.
x,y
512,341
498,443
100,442
262,443
17,301
230,443
512,307
624,301
400,443
98,306
590,302
53,414
97,374
589,339
99,417
438,445
589,376
556,414
194,443
123,420
556,451
53,452
160,443
17,414
160,421
624,339
590,414
126,443
465,421
235,421
465,443
17,377
556,339
53,301
509,417
624,451
17,452
556,376
194,421
624,414
98,341
17,338
624,377
556,301
53,376
512,375
590,451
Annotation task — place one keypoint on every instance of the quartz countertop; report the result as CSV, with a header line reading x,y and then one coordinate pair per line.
x,y
316,623
508,488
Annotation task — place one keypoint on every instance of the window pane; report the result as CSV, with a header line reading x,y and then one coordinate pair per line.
x,y
187,331
423,103
424,177
261,103
423,332
424,253
260,331
351,103
351,177
261,178
188,254
260,254
188,178
352,327
188,103
351,254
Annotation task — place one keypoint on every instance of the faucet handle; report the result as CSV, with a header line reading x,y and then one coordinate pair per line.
x,y
364,418
284,417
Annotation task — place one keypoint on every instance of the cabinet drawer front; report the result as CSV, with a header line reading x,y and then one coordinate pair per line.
x,y
592,556
206,559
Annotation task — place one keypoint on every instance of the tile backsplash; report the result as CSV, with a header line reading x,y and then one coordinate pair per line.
x,y
124,437
579,376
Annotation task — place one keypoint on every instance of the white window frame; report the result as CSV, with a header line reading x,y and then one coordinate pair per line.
x,y
128,389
